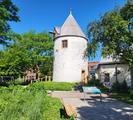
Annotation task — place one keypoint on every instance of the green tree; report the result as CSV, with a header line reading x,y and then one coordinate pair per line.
x,y
8,13
28,51
114,32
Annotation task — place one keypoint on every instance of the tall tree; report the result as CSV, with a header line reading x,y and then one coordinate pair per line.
x,y
8,13
114,32
28,51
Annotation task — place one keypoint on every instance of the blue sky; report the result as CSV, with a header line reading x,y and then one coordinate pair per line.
x,y
43,15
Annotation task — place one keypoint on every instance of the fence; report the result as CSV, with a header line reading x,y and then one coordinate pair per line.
x,y
46,78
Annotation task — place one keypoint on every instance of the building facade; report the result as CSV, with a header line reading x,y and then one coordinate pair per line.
x,y
109,70
70,43
91,69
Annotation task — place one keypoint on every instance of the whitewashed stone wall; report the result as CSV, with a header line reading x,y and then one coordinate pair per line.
x,y
70,61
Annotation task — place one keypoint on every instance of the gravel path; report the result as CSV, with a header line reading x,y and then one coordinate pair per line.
x,y
93,109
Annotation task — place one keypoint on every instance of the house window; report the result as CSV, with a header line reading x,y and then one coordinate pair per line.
x,y
64,43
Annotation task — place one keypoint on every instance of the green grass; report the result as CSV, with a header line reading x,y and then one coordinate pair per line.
x,y
31,103
122,97
58,86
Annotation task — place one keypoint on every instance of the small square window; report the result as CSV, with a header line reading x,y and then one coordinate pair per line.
x,y
64,43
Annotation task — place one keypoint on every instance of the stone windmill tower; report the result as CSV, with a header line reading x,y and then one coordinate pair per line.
x,y
70,44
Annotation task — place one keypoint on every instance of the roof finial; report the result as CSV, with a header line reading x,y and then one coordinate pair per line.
x,y
70,11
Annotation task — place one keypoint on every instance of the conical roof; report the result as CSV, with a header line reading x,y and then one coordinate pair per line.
x,y
71,27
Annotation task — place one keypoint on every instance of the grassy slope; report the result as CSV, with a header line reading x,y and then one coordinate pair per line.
x,y
61,86
58,86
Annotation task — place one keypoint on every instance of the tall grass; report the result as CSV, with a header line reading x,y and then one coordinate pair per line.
x,y
31,103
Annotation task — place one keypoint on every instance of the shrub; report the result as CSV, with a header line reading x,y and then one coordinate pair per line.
x,y
116,86
98,84
14,82
123,87
131,94
120,87
94,83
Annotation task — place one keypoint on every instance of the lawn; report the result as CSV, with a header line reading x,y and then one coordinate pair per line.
x,y
58,86
31,102
123,97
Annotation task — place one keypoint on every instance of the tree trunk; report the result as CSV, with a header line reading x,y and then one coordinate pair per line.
x,y
37,72
132,77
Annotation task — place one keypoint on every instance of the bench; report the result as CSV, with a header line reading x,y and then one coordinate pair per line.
x,y
69,109
92,90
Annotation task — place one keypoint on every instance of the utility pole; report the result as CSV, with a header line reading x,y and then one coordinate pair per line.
x,y
116,66
116,78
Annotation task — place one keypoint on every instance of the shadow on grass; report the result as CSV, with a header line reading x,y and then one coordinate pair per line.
x,y
7,84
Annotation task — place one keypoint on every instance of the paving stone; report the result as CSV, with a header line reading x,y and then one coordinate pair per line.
x,y
93,109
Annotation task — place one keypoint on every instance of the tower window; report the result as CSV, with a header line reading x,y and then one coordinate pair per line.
x,y
64,43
